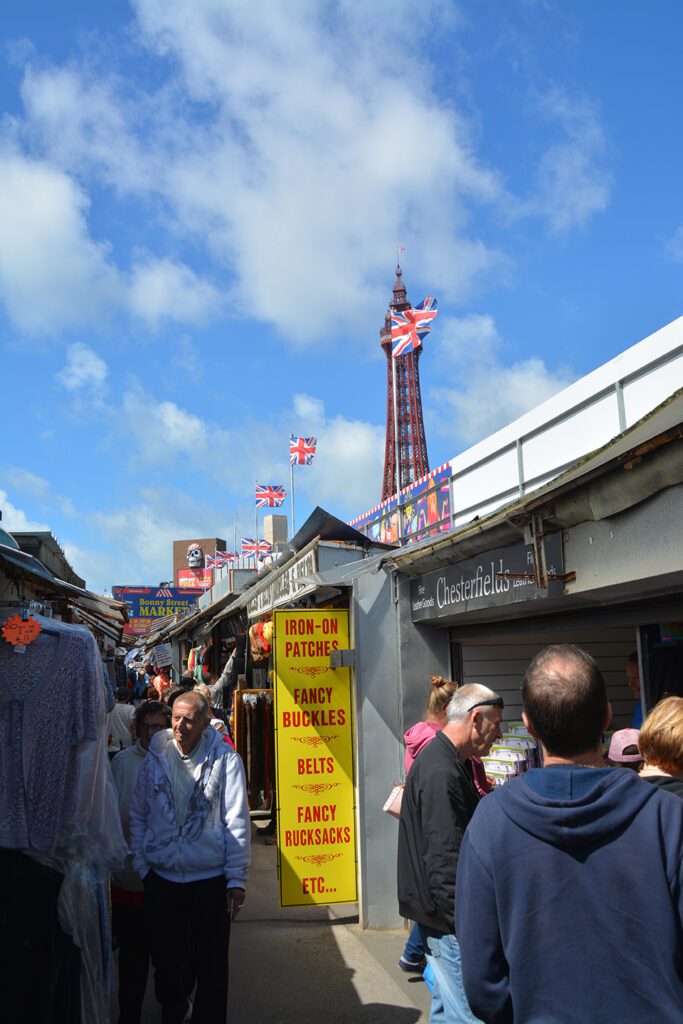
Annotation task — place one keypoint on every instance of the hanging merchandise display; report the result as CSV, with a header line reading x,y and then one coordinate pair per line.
x,y
60,832
261,641
253,729
199,662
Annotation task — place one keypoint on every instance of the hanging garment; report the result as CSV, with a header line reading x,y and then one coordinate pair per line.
x,y
48,706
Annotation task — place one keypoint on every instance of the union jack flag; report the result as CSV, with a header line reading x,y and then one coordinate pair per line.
x,y
210,561
270,495
301,450
255,547
224,558
410,326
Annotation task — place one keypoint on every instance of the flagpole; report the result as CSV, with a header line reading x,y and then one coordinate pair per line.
x,y
291,491
234,532
256,517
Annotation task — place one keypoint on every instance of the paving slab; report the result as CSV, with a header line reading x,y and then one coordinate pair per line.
x,y
310,965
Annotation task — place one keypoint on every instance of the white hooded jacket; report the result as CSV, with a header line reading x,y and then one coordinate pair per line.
x,y
214,837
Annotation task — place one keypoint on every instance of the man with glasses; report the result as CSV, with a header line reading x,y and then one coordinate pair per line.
x,y
438,802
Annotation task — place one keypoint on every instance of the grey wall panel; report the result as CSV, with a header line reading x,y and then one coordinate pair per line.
x,y
501,664
393,663
378,755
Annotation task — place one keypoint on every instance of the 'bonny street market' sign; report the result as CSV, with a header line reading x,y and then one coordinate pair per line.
x,y
315,790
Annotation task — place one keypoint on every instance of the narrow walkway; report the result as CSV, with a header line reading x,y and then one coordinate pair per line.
x,y
310,965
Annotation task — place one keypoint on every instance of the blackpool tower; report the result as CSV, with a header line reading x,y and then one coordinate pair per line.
x,y
413,462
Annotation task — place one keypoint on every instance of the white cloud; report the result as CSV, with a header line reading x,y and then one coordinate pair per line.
x,y
308,412
347,473
573,180
85,371
188,359
52,274
479,393
143,534
65,106
38,488
347,468
160,433
674,246
286,174
160,288
269,143
14,518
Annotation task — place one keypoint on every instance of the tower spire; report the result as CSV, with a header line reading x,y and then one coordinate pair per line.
x,y
413,461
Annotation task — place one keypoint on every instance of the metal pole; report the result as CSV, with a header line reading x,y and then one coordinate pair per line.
x,y
256,538
234,532
291,494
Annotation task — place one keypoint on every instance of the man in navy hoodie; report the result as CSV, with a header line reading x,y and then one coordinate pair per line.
x,y
569,895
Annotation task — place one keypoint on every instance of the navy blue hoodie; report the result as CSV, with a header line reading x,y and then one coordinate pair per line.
x,y
569,901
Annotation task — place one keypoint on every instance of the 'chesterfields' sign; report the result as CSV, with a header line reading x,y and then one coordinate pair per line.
x,y
498,577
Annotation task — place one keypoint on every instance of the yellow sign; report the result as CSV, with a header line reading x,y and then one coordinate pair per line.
x,y
314,742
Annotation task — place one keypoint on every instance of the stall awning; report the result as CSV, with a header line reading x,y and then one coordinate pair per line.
x,y
103,612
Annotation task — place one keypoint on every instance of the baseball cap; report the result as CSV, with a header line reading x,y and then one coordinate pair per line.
x,y
621,741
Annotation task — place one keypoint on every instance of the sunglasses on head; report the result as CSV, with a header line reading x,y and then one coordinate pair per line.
x,y
494,702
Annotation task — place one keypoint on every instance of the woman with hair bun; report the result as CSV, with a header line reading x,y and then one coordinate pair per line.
x,y
418,736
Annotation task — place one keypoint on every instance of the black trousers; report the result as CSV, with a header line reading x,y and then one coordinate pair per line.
x,y
189,921
40,968
130,932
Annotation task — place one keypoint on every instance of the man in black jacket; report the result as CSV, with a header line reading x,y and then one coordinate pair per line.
x,y
439,800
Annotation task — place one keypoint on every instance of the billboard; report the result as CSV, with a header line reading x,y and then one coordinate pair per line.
x,y
195,579
189,565
146,605
314,748
425,511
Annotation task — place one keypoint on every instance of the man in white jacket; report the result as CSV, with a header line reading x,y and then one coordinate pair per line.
x,y
190,837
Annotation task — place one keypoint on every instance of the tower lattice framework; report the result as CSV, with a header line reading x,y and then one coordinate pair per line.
x,y
412,445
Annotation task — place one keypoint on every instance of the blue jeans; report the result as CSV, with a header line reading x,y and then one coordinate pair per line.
x,y
415,947
449,1002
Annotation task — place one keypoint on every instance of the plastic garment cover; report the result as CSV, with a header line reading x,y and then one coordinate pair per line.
x,y
95,830
85,914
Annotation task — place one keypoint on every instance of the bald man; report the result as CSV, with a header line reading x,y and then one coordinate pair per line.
x,y
190,836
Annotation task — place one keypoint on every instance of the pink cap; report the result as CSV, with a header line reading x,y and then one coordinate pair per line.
x,y
620,741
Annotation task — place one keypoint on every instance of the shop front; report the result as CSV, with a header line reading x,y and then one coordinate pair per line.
x,y
293,707
595,558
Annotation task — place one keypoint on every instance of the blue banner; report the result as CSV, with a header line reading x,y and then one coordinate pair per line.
x,y
147,605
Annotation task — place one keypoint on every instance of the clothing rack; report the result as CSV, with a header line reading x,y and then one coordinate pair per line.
x,y
27,610
253,729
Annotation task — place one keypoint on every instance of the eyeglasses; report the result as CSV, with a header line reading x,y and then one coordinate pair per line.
x,y
494,702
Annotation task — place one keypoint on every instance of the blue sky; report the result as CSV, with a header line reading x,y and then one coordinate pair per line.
x,y
200,204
